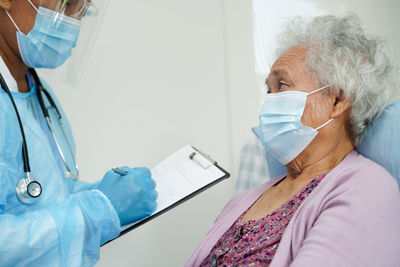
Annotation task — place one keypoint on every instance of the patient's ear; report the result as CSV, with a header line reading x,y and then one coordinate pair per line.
x,y
6,5
340,105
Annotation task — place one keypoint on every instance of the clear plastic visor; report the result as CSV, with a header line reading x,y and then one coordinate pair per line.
x,y
76,9
88,15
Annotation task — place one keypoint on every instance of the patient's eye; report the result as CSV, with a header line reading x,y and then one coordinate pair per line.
x,y
282,85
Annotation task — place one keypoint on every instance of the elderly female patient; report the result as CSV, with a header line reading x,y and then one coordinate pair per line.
x,y
334,207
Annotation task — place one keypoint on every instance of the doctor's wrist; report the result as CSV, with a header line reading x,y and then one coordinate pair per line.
x,y
109,225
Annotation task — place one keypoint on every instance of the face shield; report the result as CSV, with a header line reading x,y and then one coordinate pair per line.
x,y
64,15
75,9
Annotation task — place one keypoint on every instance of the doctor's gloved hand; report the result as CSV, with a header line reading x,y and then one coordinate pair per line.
x,y
133,195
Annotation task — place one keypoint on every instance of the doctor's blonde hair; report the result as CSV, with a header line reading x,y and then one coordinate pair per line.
x,y
342,54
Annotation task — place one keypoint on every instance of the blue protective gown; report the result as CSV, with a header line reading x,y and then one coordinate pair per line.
x,y
70,221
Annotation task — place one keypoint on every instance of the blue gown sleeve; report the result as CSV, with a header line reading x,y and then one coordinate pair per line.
x,y
76,186
67,234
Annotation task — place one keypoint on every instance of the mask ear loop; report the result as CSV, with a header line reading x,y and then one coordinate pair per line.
x,y
29,1
322,88
12,20
15,24
324,124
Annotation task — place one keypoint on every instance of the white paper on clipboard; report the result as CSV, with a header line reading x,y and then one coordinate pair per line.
x,y
180,174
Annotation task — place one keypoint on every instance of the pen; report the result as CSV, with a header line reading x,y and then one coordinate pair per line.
x,y
119,171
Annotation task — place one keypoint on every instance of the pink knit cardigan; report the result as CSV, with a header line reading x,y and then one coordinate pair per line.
x,y
352,218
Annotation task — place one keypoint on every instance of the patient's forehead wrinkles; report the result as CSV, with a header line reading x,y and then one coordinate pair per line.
x,y
278,72
290,62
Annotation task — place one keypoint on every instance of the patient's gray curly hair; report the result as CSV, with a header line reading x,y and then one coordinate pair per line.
x,y
343,55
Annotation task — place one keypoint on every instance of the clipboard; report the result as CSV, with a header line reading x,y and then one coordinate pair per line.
x,y
188,162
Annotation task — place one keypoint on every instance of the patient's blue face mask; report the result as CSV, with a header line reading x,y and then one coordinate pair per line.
x,y
280,129
48,45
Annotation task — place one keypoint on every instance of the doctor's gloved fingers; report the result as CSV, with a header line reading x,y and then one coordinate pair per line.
x,y
142,170
152,207
148,198
148,207
110,175
144,180
154,194
151,193
139,208
137,181
150,181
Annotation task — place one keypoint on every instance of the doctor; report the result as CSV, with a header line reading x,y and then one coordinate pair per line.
x,y
47,217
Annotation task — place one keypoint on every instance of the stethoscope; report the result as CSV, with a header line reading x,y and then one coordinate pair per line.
x,y
29,189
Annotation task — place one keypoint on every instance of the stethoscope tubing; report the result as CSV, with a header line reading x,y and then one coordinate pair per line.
x,y
41,90
28,189
25,155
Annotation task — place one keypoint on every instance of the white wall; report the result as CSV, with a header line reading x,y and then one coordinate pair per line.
x,y
168,73
244,95
156,81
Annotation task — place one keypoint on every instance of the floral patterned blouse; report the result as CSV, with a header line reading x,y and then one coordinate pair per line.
x,y
254,243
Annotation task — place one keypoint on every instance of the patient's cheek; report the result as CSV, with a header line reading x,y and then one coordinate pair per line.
x,y
315,113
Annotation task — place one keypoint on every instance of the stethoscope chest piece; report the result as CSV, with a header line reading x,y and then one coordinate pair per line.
x,y
28,190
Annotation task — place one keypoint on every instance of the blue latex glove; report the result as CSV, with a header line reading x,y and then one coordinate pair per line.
x,y
133,195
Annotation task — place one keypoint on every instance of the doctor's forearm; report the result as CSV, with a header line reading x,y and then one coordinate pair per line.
x,y
53,236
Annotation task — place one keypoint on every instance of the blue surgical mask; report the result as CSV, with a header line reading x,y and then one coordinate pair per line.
x,y
280,129
49,43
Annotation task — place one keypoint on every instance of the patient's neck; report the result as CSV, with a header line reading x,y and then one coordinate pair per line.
x,y
319,159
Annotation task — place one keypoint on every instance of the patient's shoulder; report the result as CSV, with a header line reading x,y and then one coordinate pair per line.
x,y
367,172
363,178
